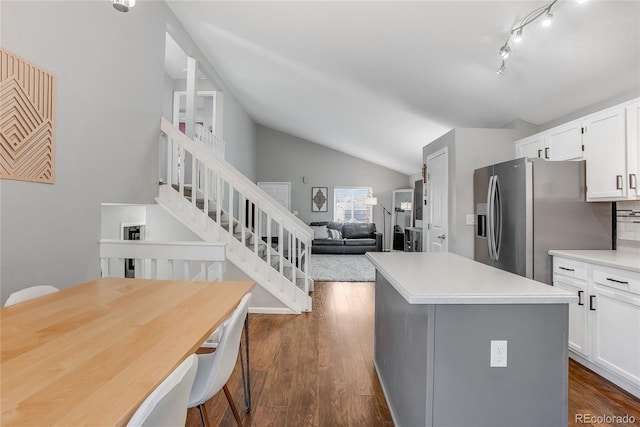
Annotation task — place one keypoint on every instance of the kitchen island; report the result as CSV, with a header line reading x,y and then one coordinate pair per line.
x,y
435,319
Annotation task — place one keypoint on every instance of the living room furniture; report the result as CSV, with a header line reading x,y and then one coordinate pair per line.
x,y
121,340
412,239
214,369
346,238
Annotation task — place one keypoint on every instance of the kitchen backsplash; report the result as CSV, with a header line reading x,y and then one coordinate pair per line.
x,y
628,223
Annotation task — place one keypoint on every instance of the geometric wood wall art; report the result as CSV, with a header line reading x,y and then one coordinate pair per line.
x,y
27,120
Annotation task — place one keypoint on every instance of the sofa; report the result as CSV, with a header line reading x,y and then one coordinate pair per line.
x,y
345,238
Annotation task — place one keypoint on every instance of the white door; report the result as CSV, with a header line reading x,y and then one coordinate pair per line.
x,y
564,142
437,202
633,149
280,191
605,151
530,147
577,313
616,342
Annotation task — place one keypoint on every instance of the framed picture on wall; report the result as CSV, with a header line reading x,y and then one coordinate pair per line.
x,y
319,200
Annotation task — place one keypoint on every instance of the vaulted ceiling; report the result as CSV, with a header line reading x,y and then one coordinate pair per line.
x,y
379,80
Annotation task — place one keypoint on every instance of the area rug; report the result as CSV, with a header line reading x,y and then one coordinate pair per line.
x,y
342,268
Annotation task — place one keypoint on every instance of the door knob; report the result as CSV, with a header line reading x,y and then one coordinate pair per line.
x,y
441,237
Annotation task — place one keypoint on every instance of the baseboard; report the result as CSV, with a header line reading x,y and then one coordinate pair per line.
x,y
271,310
610,376
384,391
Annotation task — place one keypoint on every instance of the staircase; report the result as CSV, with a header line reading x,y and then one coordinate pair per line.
x,y
220,205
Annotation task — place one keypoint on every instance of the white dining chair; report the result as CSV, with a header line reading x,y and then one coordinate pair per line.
x,y
29,293
214,369
167,404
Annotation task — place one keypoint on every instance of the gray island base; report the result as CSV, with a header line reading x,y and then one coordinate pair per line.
x,y
435,318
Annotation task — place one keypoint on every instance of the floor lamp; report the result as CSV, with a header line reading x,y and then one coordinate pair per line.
x,y
373,201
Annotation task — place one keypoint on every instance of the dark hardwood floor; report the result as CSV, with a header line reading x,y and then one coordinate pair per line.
x,y
316,369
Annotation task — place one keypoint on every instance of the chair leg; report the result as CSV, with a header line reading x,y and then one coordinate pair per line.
x,y
233,405
204,417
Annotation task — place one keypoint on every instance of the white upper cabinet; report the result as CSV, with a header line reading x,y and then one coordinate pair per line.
x,y
560,143
633,149
608,140
564,142
605,151
530,147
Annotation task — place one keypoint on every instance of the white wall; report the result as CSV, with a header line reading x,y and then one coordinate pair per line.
x,y
238,130
109,69
110,89
286,158
468,150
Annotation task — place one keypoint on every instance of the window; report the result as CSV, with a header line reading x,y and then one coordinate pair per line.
x,y
348,206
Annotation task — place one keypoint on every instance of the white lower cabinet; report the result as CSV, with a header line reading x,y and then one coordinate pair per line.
x,y
577,313
604,326
616,331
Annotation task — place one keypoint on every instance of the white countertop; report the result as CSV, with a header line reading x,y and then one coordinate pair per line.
x,y
625,258
446,278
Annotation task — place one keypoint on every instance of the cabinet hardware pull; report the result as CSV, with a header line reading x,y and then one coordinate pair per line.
x,y
565,268
618,182
580,302
617,281
546,152
591,300
539,153
633,183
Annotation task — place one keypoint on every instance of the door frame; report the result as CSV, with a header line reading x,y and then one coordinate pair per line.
x,y
427,195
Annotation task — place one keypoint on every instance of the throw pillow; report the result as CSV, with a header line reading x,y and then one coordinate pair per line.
x,y
320,232
334,234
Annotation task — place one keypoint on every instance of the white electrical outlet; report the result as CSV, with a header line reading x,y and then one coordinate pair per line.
x,y
498,354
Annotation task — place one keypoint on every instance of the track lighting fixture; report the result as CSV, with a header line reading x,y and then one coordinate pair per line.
x,y
123,5
515,35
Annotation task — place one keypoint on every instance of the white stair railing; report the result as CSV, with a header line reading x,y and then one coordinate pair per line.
x,y
163,260
220,204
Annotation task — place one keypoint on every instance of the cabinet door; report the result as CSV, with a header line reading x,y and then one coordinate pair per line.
x,y
577,313
615,337
605,151
564,142
530,147
633,149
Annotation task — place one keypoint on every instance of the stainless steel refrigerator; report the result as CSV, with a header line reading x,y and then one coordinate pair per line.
x,y
525,207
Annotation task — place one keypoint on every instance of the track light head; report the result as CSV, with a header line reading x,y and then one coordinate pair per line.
x,y
501,69
505,52
123,5
518,37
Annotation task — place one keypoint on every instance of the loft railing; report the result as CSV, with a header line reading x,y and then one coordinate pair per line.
x,y
211,140
220,204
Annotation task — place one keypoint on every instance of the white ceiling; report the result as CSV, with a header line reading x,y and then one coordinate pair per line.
x,y
379,80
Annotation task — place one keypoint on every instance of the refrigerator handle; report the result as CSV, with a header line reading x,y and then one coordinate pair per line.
x,y
497,235
490,217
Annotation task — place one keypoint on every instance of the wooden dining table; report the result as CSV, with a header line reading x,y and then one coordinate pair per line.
x,y
90,354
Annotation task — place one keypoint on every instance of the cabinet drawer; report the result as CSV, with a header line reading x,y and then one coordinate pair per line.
x,y
618,279
570,268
